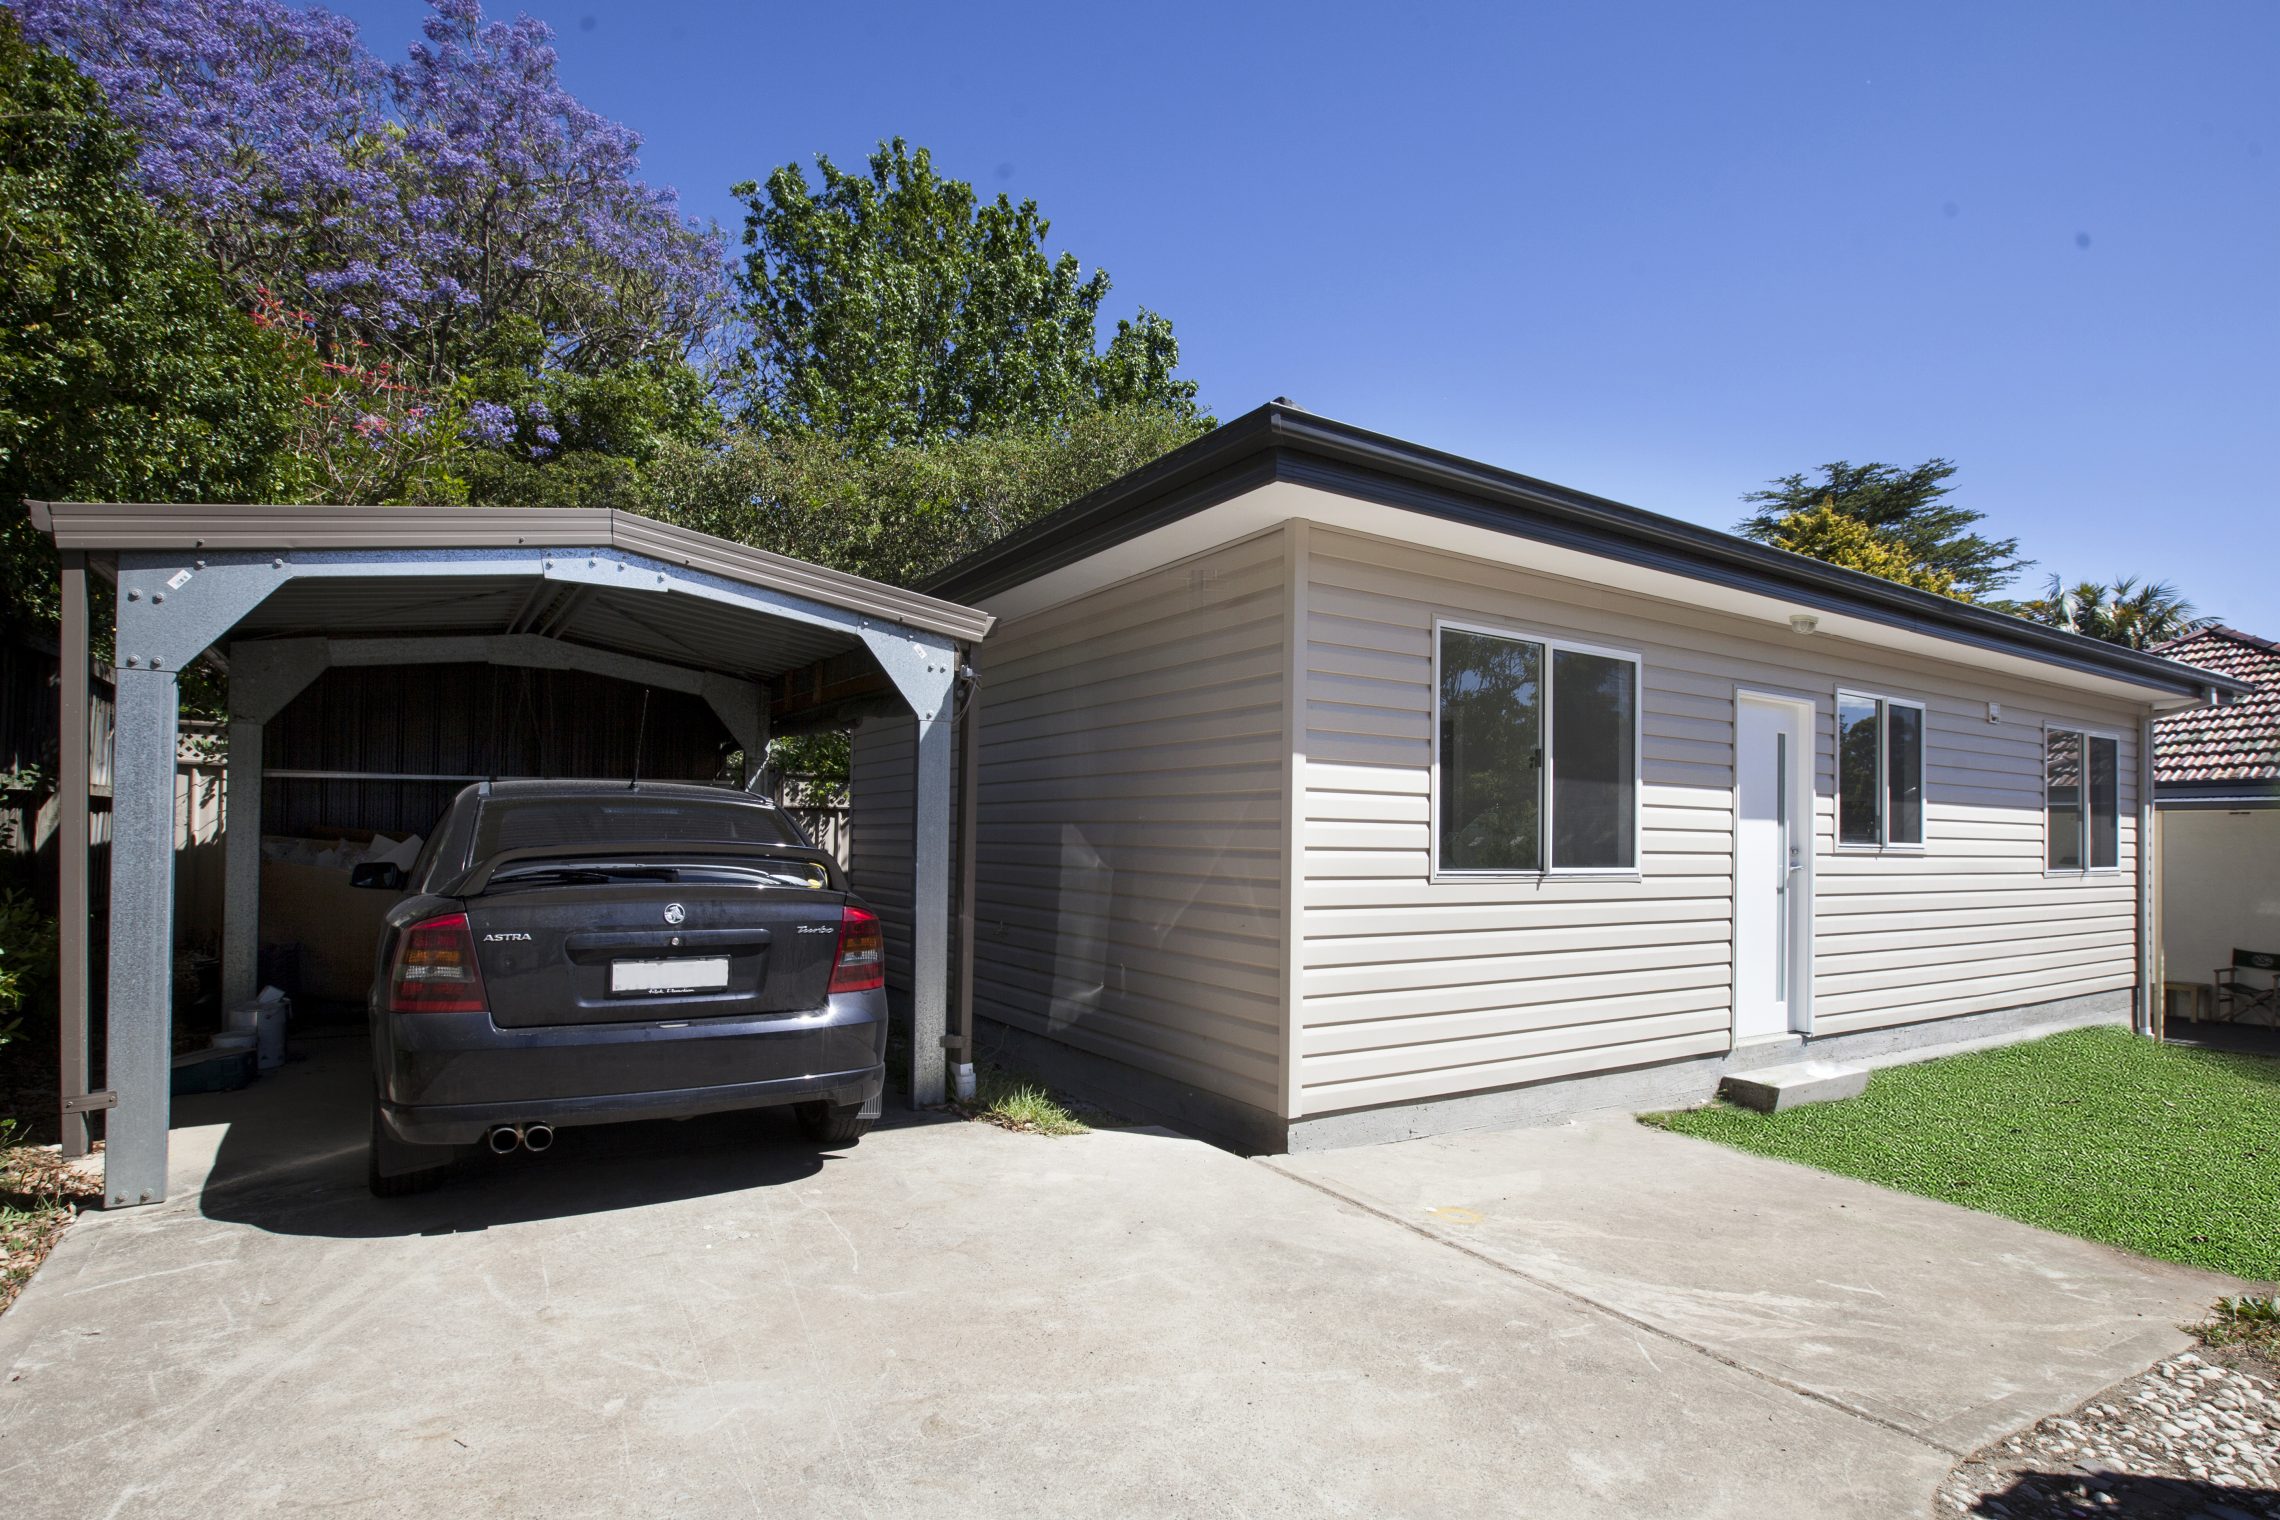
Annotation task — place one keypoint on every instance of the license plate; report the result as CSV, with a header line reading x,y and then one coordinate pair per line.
x,y
709,974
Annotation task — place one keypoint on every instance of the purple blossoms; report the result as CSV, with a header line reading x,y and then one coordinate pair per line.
x,y
418,205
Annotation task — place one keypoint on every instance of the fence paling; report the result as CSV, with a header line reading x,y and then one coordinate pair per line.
x,y
826,828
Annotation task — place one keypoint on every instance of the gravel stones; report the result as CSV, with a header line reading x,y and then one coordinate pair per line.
x,y
2196,1437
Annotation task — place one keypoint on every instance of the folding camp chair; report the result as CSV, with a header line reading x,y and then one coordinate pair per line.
x,y
2248,990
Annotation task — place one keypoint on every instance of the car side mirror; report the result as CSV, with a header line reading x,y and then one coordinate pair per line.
x,y
379,875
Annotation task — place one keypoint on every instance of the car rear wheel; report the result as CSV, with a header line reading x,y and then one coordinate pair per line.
x,y
835,1123
395,1170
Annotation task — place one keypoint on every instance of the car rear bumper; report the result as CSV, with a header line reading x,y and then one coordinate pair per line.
x,y
447,1079
466,1123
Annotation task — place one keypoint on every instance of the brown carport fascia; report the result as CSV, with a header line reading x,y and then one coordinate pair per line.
x,y
108,527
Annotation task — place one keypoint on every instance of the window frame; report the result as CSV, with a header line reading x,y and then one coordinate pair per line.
x,y
1550,644
2085,733
1884,843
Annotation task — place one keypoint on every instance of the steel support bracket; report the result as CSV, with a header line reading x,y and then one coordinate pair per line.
x,y
89,1103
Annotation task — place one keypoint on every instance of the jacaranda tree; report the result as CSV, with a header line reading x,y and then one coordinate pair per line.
x,y
412,208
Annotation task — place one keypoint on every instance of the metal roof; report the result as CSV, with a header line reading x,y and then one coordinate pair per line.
x,y
108,527
1280,442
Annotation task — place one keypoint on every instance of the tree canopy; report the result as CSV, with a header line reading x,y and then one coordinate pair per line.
x,y
2137,614
485,302
125,372
1909,509
895,306
900,514
409,208
1822,532
442,280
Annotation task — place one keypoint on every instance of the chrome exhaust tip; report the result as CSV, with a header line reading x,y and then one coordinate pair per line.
x,y
505,1139
537,1137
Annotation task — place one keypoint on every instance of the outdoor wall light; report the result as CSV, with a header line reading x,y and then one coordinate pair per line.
x,y
1803,622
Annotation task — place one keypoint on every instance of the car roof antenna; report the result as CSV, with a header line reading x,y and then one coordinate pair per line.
x,y
640,732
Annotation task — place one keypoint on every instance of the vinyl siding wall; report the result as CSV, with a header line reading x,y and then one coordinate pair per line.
x,y
1130,863
1410,988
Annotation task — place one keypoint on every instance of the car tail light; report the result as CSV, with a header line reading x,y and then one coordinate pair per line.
x,y
861,961
435,970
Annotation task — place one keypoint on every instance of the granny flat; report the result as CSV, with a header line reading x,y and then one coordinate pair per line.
x,y
1335,789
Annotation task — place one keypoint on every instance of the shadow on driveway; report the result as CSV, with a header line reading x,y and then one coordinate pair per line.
x,y
287,1155
2092,1490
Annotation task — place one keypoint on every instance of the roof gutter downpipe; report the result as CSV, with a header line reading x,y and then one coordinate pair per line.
x,y
969,803
2149,1010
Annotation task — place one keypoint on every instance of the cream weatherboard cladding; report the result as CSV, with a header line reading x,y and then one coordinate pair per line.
x,y
1129,875
1132,893
1413,988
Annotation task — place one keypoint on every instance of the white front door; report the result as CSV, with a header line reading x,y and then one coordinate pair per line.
x,y
1772,835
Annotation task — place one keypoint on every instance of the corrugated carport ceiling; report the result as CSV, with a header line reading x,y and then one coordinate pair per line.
x,y
676,628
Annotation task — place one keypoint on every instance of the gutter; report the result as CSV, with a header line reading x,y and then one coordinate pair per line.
x,y
1277,442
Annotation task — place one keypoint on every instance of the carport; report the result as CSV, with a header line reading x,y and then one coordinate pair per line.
x,y
280,594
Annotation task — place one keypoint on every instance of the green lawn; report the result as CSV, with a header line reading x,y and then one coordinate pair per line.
x,y
2156,1148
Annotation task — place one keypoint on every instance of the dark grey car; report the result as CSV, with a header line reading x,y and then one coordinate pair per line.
x,y
582,952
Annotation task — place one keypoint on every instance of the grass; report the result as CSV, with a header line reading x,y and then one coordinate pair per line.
x,y
2160,1149
1007,1099
2243,1324
39,1195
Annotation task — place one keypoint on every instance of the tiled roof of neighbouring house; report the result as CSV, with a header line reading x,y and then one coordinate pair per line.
x,y
2239,741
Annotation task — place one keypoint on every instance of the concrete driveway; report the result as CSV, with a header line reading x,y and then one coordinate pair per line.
x,y
1953,1326
720,1318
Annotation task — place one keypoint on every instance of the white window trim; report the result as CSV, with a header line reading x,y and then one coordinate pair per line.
x,y
1551,643
1885,844
2087,733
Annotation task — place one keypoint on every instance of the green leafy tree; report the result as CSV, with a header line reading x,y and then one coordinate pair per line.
x,y
1824,533
900,514
2131,612
125,372
896,306
547,436
1911,508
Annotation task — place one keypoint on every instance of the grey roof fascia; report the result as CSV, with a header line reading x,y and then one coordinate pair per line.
x,y
1278,443
108,527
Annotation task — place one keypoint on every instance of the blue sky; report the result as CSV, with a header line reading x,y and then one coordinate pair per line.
x,y
1657,252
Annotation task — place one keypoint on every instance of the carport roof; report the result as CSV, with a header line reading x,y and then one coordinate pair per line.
x,y
110,527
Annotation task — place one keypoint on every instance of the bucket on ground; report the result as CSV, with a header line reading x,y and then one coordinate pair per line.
x,y
265,1016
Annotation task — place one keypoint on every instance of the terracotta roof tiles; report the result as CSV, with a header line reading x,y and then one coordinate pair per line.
x,y
2239,741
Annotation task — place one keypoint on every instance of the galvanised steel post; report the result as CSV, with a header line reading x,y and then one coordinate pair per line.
x,y
140,1056
72,915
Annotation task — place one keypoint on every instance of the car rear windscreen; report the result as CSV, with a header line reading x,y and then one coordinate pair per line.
x,y
531,823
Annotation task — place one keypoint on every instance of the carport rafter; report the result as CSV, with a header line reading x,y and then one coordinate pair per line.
x,y
187,576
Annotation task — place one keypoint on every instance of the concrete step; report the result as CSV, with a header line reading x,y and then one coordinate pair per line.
x,y
1771,1089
